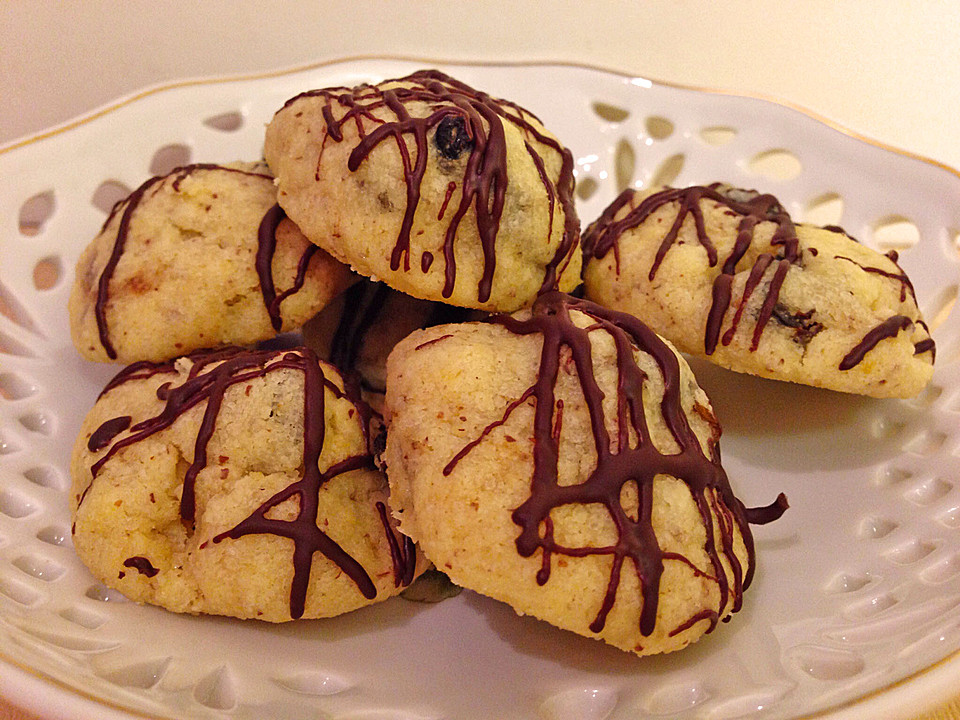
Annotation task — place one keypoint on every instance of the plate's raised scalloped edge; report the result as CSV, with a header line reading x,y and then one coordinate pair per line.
x,y
909,697
243,77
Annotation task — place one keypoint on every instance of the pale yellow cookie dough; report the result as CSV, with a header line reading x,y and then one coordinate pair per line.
x,y
174,269
466,453
803,303
434,188
231,551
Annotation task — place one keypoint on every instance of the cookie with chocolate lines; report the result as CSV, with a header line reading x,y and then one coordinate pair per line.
x,y
437,189
199,258
238,483
726,274
564,460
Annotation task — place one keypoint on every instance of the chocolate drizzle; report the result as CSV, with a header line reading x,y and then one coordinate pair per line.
x,y
630,457
211,374
266,246
126,208
142,565
887,329
463,120
752,208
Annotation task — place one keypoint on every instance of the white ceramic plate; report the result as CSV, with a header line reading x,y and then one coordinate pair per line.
x,y
855,610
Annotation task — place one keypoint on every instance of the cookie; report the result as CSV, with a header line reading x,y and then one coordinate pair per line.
x,y
357,331
564,460
439,190
199,258
238,483
726,274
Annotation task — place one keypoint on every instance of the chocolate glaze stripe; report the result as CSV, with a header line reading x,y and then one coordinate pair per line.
x,y
620,463
889,328
605,233
901,277
130,205
206,384
485,178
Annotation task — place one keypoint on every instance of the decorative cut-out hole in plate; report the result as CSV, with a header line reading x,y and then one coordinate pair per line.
x,y
37,422
83,617
826,663
579,704
667,172
35,213
314,683
624,163
926,443
909,552
826,209
18,592
940,308
101,593
776,164
928,396
13,310
218,690
717,135
15,505
53,535
950,518
888,429
659,128
674,699
586,187
227,122
108,194
942,571
143,675
7,445
610,113
846,583
871,607
45,476
894,232
874,528
39,567
47,273
929,491
168,158
15,387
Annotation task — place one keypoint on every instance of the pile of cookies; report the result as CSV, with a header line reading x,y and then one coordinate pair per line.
x,y
386,348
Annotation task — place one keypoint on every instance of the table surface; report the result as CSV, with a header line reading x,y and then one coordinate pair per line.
x,y
888,70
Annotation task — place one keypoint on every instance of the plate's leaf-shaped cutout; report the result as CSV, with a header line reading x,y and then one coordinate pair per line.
x,y
108,194
895,232
717,135
940,308
846,583
14,505
169,157
35,213
143,675
39,567
875,528
15,387
226,122
675,698
314,683
11,346
68,641
83,617
668,171
47,273
826,663
580,704
928,492
610,113
218,690
46,476
659,128
101,593
586,187
12,309
7,447
53,535
18,592
825,209
37,422
624,163
776,164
